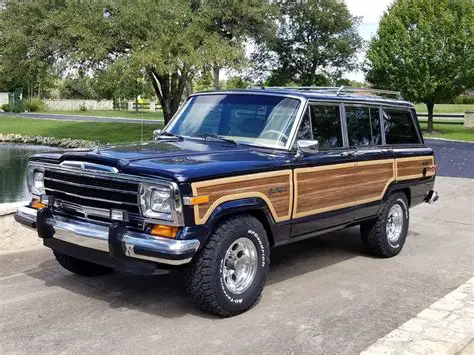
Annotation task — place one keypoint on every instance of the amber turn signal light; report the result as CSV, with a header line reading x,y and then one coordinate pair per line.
x,y
36,204
198,200
164,231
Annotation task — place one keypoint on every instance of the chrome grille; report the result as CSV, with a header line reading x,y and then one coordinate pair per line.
x,y
92,193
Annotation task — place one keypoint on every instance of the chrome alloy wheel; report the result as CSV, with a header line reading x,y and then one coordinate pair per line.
x,y
395,222
240,265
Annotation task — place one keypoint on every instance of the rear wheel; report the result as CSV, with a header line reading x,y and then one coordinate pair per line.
x,y
386,235
81,267
228,274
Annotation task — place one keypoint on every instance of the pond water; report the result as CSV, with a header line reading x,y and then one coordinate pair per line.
x,y
13,163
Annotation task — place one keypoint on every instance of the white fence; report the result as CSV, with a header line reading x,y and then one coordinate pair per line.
x,y
70,105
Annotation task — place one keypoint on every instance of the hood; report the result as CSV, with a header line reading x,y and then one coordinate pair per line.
x,y
183,161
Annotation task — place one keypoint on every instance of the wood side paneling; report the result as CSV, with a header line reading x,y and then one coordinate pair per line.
x,y
253,185
373,178
314,190
413,168
322,189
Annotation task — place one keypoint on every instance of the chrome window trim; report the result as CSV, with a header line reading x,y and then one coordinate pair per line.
x,y
416,124
381,125
305,101
297,123
178,217
344,129
413,122
341,118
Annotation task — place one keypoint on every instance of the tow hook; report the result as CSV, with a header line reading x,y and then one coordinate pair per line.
x,y
432,197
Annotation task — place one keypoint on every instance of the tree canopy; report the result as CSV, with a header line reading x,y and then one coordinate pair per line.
x,y
425,48
169,41
316,41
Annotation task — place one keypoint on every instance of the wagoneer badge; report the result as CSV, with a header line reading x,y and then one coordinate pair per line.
x,y
277,190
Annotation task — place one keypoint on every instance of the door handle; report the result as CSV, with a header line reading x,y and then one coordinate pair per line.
x,y
347,154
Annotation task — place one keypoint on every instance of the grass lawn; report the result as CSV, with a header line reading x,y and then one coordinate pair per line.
x,y
449,131
445,108
158,115
92,131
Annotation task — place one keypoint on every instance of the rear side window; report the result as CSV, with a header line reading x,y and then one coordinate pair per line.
x,y
363,125
399,127
326,125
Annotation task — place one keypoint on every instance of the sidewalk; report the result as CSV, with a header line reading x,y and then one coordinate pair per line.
x,y
446,327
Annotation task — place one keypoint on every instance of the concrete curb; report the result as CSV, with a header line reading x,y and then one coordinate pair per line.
x,y
446,327
10,208
14,237
447,140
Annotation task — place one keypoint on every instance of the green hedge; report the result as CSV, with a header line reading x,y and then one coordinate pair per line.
x,y
464,100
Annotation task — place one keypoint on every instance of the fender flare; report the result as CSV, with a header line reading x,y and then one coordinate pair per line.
x,y
243,205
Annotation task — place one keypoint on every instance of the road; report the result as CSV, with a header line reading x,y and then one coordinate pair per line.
x,y
49,116
454,159
323,296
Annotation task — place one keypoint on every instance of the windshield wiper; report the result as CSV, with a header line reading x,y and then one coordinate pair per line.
x,y
169,134
215,136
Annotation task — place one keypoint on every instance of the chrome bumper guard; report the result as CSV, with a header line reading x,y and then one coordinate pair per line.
x,y
119,242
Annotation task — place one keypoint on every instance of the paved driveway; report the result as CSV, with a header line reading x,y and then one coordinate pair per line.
x,y
323,296
454,159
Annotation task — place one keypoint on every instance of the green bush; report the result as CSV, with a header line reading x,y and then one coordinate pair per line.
x,y
35,105
18,107
464,100
83,108
6,108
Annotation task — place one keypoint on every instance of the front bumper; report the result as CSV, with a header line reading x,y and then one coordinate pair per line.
x,y
115,239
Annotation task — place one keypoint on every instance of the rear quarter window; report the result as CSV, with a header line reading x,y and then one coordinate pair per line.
x,y
399,127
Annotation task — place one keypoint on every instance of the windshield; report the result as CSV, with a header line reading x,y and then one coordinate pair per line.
x,y
254,119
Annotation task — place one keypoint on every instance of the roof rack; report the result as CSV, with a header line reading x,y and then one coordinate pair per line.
x,y
342,90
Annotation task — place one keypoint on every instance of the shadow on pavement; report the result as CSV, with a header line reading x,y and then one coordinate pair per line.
x,y
163,295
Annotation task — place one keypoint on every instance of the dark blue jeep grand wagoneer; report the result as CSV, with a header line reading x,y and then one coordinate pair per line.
x,y
233,175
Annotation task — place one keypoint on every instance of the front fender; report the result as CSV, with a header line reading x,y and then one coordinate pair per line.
x,y
277,232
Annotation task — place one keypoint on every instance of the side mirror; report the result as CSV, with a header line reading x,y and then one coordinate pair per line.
x,y
156,134
306,147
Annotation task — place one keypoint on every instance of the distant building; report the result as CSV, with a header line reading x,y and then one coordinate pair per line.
x,y
3,98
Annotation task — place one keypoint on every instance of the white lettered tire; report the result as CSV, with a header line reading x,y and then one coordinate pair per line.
x,y
227,275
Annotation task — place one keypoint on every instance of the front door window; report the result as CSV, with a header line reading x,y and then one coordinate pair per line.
x,y
326,126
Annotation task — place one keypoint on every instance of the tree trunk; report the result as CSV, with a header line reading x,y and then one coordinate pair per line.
x,y
430,106
169,89
215,76
189,87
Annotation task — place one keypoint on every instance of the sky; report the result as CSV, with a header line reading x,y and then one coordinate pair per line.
x,y
371,11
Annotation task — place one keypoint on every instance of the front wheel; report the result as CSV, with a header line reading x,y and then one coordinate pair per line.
x,y
386,235
227,276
